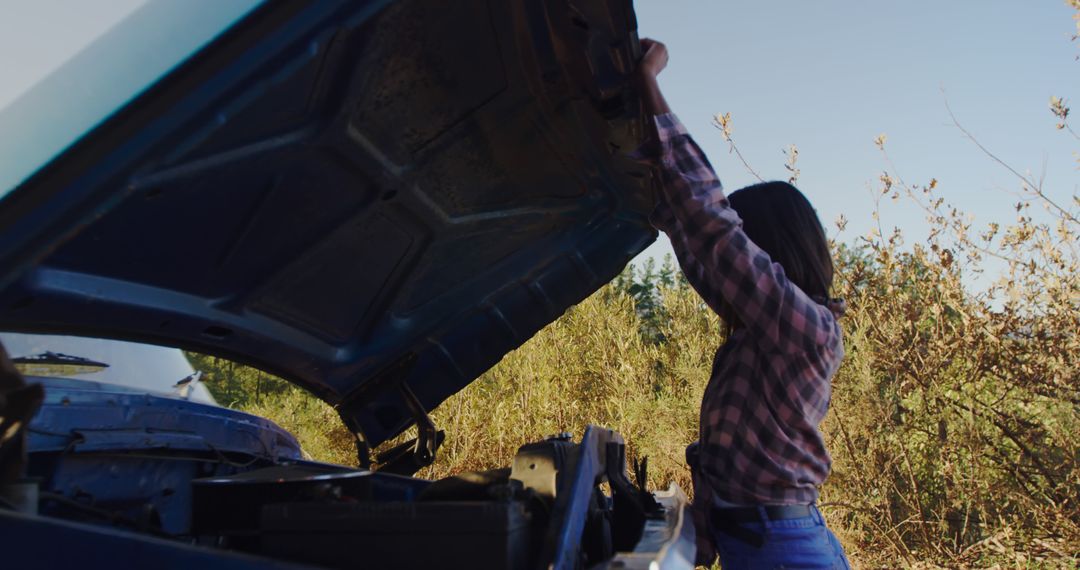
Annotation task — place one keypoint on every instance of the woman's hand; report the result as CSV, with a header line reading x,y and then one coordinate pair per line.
x,y
655,58
653,61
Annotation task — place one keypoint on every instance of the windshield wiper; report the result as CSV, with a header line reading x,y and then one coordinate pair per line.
x,y
51,363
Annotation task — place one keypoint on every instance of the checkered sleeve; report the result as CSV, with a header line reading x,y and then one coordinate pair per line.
x,y
717,257
663,219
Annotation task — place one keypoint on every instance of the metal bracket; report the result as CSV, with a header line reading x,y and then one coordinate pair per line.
x,y
391,376
561,547
413,455
408,457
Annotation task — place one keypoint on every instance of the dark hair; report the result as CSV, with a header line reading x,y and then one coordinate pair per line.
x,y
781,221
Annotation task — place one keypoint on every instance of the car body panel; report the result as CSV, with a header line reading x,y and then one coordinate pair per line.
x,y
375,200
125,451
350,195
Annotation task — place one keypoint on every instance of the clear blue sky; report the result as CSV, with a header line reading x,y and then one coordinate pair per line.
x,y
829,76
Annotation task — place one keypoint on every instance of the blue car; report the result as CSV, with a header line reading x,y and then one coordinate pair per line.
x,y
375,200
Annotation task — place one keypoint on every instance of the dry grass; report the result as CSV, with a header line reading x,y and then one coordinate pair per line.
x,y
954,416
918,481
954,420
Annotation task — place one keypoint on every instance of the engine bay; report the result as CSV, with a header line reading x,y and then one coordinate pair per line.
x,y
157,472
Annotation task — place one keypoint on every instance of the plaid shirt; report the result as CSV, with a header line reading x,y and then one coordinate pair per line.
x,y
759,441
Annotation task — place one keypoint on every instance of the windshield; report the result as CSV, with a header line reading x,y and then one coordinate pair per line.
x,y
69,64
154,369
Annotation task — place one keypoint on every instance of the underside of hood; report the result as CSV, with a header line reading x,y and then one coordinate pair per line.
x,y
351,195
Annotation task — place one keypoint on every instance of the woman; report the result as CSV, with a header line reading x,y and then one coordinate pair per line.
x,y
758,258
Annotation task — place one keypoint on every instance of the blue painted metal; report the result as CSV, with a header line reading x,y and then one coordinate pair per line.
x,y
562,545
286,198
289,199
114,449
82,416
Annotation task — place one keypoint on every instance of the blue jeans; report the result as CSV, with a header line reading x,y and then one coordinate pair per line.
x,y
803,543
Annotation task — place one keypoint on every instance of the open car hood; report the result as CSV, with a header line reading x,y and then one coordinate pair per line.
x,y
350,195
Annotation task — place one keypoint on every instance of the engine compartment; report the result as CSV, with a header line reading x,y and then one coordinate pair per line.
x,y
501,518
156,467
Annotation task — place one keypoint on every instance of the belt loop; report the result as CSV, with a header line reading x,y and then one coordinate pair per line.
x,y
815,512
766,528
